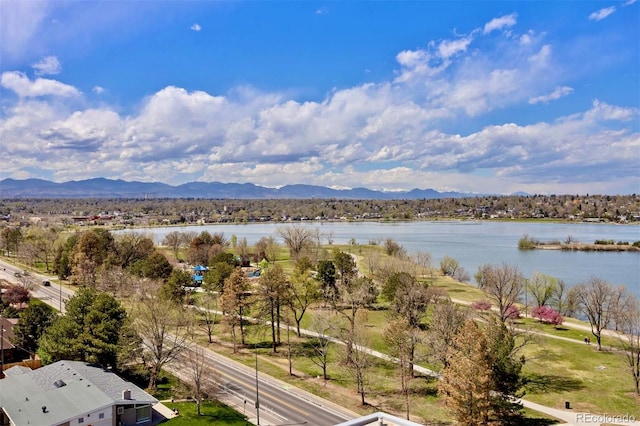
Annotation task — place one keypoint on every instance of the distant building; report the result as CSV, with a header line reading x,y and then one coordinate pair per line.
x,y
70,393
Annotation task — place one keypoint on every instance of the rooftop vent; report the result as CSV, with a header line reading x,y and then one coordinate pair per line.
x,y
126,394
59,383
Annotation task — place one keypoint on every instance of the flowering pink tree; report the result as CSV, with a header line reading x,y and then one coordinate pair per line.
x,y
481,305
548,315
512,312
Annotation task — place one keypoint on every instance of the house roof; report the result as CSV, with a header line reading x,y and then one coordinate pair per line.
x,y
68,389
7,324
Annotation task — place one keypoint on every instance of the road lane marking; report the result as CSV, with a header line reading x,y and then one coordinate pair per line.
x,y
304,413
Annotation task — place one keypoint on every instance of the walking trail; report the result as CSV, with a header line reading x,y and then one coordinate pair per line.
x,y
569,416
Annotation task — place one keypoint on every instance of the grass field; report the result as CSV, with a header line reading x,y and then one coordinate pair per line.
x,y
211,413
558,370
593,381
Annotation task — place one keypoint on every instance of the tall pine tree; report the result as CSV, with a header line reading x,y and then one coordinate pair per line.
x,y
467,381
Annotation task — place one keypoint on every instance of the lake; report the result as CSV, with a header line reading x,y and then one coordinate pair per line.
x,y
474,243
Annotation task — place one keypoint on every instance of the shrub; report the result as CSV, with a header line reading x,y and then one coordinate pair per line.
x,y
527,242
548,315
481,305
513,312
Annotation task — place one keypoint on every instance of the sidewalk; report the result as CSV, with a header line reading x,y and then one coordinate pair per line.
x,y
572,418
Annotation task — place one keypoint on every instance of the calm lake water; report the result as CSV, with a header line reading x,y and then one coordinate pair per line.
x,y
474,243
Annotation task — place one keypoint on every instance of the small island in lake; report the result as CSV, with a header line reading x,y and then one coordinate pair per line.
x,y
530,243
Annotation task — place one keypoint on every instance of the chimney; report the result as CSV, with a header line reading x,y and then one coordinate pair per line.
x,y
126,394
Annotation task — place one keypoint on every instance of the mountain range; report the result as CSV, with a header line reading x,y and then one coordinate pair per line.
x,y
109,188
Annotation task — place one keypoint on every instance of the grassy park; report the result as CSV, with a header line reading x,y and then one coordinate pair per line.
x,y
559,366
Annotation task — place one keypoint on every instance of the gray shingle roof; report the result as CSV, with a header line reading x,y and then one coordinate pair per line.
x,y
86,388
107,381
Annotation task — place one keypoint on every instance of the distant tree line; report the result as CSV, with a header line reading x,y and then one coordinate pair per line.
x,y
183,211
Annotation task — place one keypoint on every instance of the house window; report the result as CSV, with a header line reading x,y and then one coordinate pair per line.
x,y
143,414
81,420
101,416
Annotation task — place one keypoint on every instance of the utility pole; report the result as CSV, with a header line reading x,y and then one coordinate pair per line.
x,y
1,345
257,394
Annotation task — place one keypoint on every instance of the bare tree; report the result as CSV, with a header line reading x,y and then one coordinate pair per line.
x,y
296,237
114,280
269,247
446,320
272,293
629,333
175,241
330,237
197,368
422,260
208,315
357,359
504,284
399,337
410,299
39,244
565,299
234,303
354,295
598,303
322,325
163,327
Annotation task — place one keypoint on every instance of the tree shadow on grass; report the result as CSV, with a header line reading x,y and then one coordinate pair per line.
x,y
542,383
524,421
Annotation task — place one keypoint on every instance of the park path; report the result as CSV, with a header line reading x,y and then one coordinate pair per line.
x,y
569,416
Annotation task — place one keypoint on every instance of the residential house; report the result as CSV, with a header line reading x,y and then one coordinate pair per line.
x,y
8,351
72,393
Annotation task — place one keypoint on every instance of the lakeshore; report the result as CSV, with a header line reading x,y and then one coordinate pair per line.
x,y
472,243
588,247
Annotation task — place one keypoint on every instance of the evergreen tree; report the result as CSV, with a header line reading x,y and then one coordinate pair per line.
x,y
32,323
506,369
89,330
467,381
327,277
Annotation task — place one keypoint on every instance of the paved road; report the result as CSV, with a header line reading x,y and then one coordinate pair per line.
x,y
280,403
54,296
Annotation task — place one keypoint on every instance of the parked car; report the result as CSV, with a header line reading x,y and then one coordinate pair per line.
x,y
46,283
17,274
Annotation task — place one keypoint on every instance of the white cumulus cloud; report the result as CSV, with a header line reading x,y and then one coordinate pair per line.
x,y
49,65
196,27
501,22
20,84
448,48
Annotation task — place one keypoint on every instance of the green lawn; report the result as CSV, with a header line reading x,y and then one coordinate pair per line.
x,y
597,382
558,370
211,413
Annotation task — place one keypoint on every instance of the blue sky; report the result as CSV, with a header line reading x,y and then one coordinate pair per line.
x,y
472,96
